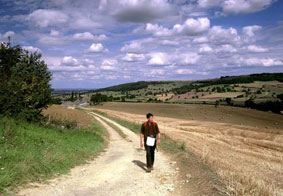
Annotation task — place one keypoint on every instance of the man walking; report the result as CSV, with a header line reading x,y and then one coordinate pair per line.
x,y
149,131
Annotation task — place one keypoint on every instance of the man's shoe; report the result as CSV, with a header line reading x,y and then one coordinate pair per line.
x,y
148,170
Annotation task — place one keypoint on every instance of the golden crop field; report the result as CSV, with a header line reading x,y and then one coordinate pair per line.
x,y
244,147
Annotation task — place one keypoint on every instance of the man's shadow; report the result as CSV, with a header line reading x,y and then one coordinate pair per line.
x,y
140,164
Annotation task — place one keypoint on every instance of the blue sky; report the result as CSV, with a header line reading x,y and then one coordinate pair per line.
x,y
93,44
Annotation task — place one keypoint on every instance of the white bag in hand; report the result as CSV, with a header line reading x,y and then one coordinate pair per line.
x,y
150,141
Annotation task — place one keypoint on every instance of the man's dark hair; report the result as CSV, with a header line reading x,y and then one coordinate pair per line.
x,y
148,115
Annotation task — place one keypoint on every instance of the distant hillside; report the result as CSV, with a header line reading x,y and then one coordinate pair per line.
x,y
261,91
231,80
131,86
222,80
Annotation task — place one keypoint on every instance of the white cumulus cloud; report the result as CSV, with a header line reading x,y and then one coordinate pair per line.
x,y
219,35
109,65
245,6
32,49
96,47
169,43
86,36
184,71
192,26
69,60
226,48
54,33
131,57
250,30
263,61
47,17
255,48
6,35
157,30
236,6
134,46
186,58
158,58
205,49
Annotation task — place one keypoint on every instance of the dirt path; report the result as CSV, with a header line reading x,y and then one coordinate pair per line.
x,y
120,170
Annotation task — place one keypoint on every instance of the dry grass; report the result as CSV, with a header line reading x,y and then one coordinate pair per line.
x,y
250,159
223,95
59,112
164,96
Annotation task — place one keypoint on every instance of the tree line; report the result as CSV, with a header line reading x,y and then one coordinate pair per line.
x,y
131,86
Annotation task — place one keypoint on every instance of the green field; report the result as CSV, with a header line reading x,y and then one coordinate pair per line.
x,y
34,153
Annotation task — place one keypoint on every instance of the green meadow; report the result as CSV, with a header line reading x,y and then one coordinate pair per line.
x,y
30,152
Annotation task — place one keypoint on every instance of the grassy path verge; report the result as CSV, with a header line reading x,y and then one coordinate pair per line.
x,y
33,153
117,129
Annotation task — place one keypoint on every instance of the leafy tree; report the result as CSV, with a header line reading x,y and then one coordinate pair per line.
x,y
56,100
249,103
24,83
97,98
80,96
73,97
275,107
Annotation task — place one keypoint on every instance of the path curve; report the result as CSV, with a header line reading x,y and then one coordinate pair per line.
x,y
120,170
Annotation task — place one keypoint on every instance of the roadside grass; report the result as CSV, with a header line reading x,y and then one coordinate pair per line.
x,y
167,143
117,129
133,127
30,152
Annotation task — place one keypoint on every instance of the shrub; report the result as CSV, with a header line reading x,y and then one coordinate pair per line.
x,y
24,83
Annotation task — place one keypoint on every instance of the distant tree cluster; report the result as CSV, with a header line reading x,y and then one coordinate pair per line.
x,y
186,88
220,89
74,97
155,100
275,107
56,100
24,83
98,98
